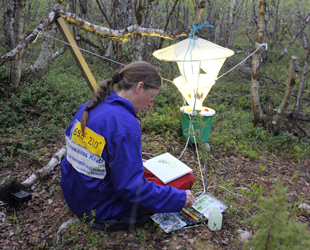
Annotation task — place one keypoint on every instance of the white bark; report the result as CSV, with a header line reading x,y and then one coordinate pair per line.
x,y
47,169
16,66
8,24
255,102
63,226
123,34
48,45
60,52
26,43
119,35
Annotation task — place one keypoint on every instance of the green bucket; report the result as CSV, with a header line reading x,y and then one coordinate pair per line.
x,y
206,118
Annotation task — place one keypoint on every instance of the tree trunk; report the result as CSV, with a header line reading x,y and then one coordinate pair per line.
x,y
8,24
287,96
304,36
233,23
40,66
302,82
255,103
139,43
121,13
16,66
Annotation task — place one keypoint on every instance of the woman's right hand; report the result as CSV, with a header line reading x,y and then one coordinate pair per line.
x,y
190,200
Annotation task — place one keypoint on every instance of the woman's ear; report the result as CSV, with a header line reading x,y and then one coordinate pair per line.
x,y
139,87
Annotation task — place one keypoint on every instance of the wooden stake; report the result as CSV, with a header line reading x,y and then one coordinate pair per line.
x,y
77,55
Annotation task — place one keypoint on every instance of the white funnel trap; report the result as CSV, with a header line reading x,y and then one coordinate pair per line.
x,y
199,62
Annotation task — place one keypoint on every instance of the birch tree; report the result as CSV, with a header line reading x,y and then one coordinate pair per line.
x,y
13,27
8,24
255,103
40,66
302,83
287,96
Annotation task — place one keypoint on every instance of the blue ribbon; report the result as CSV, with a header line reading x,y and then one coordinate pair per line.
x,y
192,36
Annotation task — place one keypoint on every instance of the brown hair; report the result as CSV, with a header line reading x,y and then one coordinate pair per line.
x,y
127,78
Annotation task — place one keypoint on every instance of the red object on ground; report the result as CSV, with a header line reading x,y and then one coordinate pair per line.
x,y
183,183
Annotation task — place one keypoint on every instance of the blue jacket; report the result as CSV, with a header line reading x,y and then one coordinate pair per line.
x,y
103,170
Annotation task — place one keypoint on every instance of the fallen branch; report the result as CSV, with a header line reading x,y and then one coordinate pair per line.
x,y
299,116
64,226
47,169
120,35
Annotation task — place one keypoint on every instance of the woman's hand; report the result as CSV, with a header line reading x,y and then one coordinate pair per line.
x,y
190,200
143,160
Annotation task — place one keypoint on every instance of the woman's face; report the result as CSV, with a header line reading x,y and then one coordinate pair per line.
x,y
144,99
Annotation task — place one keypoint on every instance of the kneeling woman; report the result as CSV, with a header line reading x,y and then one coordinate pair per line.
x,y
103,169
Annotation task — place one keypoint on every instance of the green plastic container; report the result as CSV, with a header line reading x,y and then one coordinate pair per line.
x,y
206,116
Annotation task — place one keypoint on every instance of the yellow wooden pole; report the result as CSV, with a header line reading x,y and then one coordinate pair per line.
x,y
77,55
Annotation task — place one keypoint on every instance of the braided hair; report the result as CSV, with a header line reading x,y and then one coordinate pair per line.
x,y
127,78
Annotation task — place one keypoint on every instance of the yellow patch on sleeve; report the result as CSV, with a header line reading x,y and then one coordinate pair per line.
x,y
92,141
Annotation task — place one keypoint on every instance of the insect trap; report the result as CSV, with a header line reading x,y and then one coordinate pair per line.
x,y
199,62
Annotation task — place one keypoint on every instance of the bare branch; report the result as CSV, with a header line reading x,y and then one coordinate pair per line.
x,y
295,37
60,52
201,6
167,22
103,13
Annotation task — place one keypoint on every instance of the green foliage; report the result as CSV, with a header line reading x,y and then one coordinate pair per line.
x,y
165,116
274,232
232,130
38,111
91,238
166,120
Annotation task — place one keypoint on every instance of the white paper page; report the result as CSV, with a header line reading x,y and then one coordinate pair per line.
x,y
166,167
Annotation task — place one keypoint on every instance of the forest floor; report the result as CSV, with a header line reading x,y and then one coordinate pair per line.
x,y
34,225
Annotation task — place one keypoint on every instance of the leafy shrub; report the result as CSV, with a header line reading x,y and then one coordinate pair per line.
x,y
167,120
274,230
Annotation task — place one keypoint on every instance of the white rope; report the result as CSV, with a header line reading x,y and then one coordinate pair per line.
x,y
88,52
84,50
263,44
203,182
189,135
